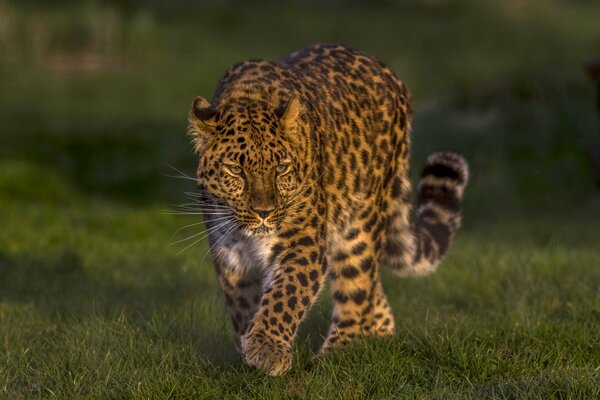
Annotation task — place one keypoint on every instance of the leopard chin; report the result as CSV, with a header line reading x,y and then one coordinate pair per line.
x,y
260,231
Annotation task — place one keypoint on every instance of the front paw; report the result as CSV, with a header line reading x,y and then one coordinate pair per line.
x,y
267,353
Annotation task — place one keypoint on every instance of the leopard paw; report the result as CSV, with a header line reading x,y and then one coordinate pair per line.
x,y
266,353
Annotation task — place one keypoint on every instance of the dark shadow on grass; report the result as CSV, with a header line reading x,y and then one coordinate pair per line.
x,y
63,290
62,285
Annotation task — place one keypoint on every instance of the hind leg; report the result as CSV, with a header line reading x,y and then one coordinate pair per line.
x,y
399,243
360,305
380,321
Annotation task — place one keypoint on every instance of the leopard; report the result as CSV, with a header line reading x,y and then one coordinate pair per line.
x,y
303,178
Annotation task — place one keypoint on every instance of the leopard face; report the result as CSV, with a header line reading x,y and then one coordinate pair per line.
x,y
247,162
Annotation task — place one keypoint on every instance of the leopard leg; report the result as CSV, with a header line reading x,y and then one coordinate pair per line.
x,y
379,321
297,273
243,291
239,279
360,305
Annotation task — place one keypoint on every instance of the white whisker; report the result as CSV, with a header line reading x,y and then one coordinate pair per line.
x,y
225,235
206,201
204,221
204,236
198,209
216,219
200,205
197,212
181,174
206,231
302,190
179,177
185,227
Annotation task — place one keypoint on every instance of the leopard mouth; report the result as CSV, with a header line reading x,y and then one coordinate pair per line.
x,y
260,230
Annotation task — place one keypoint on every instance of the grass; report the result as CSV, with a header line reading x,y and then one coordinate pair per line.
x,y
96,303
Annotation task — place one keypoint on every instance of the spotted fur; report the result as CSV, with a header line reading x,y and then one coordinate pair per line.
x,y
306,160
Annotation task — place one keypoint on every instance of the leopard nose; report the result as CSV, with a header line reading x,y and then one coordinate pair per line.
x,y
263,212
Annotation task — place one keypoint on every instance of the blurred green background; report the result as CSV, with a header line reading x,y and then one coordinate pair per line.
x,y
95,302
96,93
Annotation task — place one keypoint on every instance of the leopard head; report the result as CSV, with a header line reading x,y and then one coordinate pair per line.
x,y
251,159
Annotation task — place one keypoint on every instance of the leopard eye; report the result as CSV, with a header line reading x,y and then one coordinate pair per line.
x,y
283,168
233,170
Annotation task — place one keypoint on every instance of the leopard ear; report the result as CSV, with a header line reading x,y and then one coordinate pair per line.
x,y
288,115
202,122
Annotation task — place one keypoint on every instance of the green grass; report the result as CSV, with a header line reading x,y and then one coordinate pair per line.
x,y
96,303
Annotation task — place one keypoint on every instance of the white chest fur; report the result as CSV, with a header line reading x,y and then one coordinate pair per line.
x,y
247,253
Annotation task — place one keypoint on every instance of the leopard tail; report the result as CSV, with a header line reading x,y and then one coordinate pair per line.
x,y
417,248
